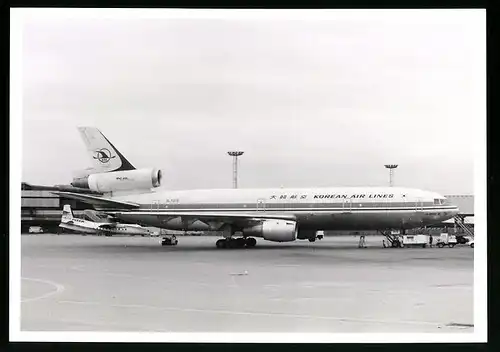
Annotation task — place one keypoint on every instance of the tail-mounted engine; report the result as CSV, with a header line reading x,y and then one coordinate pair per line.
x,y
114,181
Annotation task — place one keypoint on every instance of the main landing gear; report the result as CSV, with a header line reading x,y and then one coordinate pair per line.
x,y
236,242
313,239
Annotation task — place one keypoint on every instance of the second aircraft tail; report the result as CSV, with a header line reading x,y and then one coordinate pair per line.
x,y
67,214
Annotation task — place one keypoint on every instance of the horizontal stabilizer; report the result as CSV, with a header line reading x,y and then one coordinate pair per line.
x,y
100,202
62,188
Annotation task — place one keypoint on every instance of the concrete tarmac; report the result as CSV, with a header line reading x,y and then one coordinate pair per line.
x,y
89,283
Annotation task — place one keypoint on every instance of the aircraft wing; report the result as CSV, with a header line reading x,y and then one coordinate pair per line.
x,y
227,217
244,219
97,201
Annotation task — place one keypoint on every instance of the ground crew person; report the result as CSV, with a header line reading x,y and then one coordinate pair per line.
x,y
362,242
430,241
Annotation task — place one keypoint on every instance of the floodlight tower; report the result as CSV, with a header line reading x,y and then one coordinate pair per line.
x,y
235,155
391,168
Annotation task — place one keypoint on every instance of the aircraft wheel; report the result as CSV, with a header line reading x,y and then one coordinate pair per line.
x,y
251,242
220,244
440,245
451,245
231,243
312,239
240,242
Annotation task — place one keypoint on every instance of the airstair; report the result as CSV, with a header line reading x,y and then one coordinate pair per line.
x,y
467,228
393,238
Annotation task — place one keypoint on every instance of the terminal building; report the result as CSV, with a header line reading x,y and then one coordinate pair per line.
x,y
43,209
465,203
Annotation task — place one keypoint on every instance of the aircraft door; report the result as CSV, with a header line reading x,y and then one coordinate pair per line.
x,y
261,204
419,205
347,206
155,205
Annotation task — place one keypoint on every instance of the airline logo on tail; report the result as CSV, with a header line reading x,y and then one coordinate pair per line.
x,y
105,157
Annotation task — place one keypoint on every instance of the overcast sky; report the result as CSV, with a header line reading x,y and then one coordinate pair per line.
x,y
312,102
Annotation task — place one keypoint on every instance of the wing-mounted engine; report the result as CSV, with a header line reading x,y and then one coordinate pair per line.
x,y
115,181
274,230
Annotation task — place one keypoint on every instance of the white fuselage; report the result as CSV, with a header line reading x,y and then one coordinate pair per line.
x,y
342,208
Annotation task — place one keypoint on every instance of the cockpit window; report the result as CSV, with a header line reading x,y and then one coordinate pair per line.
x,y
439,201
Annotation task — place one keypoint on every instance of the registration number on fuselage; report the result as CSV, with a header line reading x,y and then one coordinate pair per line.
x,y
172,200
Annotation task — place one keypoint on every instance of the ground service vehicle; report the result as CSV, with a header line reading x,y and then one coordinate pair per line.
x,y
415,241
446,240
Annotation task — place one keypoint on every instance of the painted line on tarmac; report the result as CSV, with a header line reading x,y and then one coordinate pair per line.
x,y
58,289
261,314
78,268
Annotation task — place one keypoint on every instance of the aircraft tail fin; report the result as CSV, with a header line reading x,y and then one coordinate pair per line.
x,y
105,157
67,214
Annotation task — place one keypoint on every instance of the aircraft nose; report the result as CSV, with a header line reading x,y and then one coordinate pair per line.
x,y
454,211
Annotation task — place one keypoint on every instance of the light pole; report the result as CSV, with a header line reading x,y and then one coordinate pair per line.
x,y
391,168
235,155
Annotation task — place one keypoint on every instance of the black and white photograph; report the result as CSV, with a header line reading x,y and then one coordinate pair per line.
x,y
242,175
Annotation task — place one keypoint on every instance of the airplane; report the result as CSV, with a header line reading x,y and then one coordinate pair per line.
x,y
274,214
69,222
